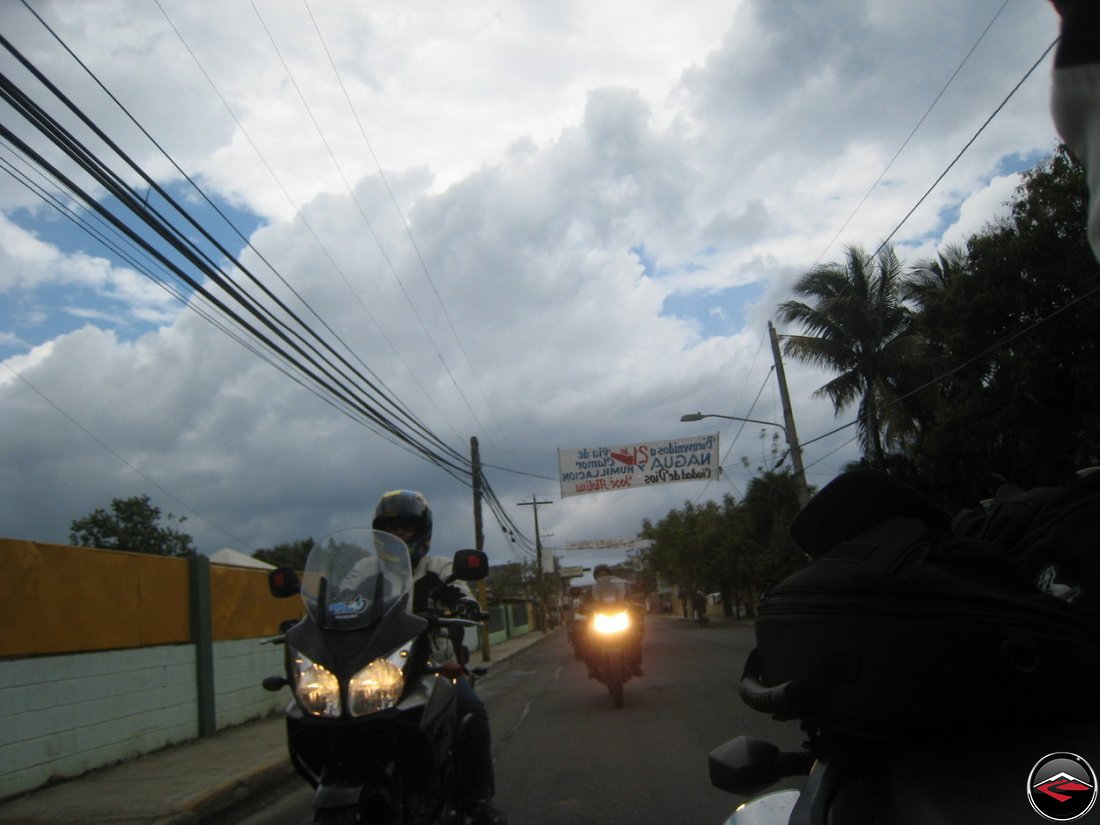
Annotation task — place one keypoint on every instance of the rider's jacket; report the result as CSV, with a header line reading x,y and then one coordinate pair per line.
x,y
429,573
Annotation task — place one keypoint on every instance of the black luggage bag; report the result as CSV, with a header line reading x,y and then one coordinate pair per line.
x,y
899,627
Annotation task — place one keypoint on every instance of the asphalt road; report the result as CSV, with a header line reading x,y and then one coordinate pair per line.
x,y
566,756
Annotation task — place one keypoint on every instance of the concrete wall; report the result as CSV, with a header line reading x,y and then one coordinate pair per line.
x,y
61,716
239,667
106,656
507,621
100,656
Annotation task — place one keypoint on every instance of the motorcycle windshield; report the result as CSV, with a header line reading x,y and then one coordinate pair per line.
x,y
609,590
353,577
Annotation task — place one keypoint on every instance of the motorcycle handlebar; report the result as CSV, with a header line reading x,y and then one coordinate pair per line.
x,y
437,619
791,699
776,700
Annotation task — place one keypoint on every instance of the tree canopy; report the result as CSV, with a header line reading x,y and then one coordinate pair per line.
x,y
976,367
131,524
730,547
1015,335
291,554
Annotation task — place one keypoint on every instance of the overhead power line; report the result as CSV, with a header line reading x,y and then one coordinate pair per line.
x,y
155,234
1003,342
920,122
184,213
264,318
969,143
367,222
303,218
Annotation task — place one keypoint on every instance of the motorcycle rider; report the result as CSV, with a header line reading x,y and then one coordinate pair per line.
x,y
604,577
406,515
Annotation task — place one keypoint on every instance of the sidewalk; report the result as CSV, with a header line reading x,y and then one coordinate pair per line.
x,y
187,783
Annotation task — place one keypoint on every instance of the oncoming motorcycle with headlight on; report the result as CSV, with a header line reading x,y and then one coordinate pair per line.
x,y
613,636
373,725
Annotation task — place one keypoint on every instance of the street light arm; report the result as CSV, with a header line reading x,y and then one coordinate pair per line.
x,y
795,451
700,416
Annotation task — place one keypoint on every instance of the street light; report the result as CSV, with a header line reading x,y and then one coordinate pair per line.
x,y
700,416
796,451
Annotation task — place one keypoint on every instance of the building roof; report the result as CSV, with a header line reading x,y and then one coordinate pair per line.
x,y
228,555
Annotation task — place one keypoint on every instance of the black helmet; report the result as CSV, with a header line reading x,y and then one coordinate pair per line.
x,y
406,507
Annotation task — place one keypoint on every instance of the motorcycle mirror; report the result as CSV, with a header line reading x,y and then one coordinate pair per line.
x,y
745,766
470,565
283,582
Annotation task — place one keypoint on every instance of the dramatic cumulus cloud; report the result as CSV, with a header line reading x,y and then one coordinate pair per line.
x,y
544,225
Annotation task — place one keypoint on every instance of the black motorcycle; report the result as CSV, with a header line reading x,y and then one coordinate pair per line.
x,y
1014,777
942,669
373,725
610,634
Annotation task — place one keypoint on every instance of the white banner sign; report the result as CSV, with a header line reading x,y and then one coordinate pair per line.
x,y
602,469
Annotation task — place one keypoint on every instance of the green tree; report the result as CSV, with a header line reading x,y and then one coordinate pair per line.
x,y
131,525
768,509
291,554
1016,333
857,326
728,547
683,545
511,581
925,283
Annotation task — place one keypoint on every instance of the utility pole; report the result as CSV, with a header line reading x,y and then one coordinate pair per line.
x,y
534,504
788,417
479,543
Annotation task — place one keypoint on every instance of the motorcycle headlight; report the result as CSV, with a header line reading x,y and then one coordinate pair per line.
x,y
317,689
611,622
379,685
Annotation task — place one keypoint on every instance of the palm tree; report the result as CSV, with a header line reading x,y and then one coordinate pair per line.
x,y
856,325
929,279
926,287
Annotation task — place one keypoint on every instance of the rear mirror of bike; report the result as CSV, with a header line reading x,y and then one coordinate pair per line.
x,y
747,766
471,565
283,582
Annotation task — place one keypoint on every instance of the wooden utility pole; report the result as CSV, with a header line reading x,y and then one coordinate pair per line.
x,y
534,504
788,418
479,543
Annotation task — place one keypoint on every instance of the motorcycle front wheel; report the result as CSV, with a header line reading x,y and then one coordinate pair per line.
x,y
615,665
617,695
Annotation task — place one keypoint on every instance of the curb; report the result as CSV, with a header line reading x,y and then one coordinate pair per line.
x,y
239,789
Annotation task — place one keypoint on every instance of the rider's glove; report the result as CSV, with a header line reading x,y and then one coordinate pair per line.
x,y
449,596
467,609
452,671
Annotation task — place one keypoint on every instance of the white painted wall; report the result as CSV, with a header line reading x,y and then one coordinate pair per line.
x,y
239,670
61,716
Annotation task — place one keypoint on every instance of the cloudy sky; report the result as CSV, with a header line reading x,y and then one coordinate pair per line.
x,y
544,224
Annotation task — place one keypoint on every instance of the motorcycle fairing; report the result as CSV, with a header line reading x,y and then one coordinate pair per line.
x,y
342,751
345,654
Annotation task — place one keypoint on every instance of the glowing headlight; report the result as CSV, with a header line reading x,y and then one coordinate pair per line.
x,y
317,689
611,622
379,685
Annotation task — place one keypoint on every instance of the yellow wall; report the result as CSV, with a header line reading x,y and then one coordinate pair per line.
x,y
243,607
60,599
